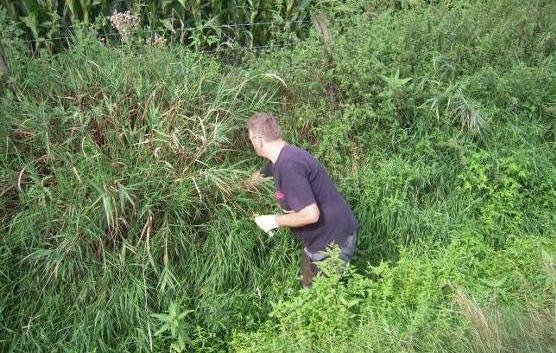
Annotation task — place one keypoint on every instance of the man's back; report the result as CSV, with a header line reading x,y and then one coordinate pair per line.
x,y
300,180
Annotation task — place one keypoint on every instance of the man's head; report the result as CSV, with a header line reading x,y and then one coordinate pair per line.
x,y
264,131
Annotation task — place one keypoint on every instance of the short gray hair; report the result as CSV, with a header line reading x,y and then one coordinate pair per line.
x,y
265,125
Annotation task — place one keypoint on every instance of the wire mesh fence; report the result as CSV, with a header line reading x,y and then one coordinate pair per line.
x,y
172,31
210,39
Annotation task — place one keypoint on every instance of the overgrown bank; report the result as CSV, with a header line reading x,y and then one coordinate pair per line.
x,y
121,172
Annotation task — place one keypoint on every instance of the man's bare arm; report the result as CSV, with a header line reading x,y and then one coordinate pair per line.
x,y
305,216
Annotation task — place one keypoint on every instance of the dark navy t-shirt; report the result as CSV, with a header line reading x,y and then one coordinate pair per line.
x,y
299,181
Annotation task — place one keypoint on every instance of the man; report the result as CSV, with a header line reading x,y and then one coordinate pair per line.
x,y
313,208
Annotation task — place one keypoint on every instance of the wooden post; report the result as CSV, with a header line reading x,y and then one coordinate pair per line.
x,y
4,68
322,25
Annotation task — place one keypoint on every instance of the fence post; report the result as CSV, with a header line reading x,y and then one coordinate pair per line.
x,y
4,68
322,25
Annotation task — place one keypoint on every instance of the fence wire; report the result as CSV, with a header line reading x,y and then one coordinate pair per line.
x,y
173,31
245,24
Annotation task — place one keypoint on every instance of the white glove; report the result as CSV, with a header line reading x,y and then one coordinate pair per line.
x,y
267,223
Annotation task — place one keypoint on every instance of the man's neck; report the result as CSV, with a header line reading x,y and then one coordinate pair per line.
x,y
274,150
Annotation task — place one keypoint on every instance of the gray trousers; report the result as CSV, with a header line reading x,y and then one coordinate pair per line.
x,y
346,252
308,259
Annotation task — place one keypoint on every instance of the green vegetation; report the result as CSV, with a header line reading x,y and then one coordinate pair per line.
x,y
208,23
125,227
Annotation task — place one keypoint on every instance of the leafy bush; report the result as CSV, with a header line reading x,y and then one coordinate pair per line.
x,y
409,305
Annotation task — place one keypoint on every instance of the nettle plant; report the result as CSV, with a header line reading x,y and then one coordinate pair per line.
x,y
498,185
328,308
175,327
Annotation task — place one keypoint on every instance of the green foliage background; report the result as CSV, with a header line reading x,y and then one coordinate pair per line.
x,y
50,24
125,227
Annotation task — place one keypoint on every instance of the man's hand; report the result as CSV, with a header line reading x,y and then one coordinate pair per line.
x,y
267,223
253,181
303,217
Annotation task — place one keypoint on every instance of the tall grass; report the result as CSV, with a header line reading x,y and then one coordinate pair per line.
x,y
124,175
530,329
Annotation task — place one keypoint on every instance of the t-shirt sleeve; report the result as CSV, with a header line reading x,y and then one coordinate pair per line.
x,y
296,187
266,171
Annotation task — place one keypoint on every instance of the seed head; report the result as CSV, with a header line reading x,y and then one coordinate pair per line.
x,y
124,22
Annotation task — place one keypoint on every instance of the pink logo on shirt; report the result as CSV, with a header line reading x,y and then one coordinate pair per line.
x,y
279,195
